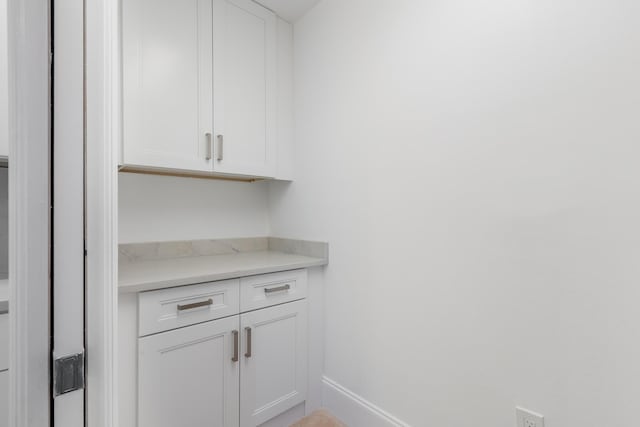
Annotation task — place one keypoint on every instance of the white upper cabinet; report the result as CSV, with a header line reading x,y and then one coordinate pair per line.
x,y
167,83
245,87
201,87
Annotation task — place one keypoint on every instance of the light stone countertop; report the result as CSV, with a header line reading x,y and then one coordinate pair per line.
x,y
145,275
4,296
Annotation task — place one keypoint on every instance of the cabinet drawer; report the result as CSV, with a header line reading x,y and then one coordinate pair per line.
x,y
4,340
271,289
173,308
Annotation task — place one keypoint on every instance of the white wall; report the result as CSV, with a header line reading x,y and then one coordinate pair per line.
x,y
4,223
4,133
4,145
157,208
474,166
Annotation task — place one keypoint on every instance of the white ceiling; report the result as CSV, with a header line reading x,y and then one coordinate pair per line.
x,y
289,10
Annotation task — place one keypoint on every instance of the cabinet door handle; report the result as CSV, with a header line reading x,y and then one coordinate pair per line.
x,y
248,353
195,305
278,289
209,145
220,147
235,346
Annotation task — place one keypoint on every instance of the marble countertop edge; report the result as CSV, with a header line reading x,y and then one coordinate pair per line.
x,y
167,273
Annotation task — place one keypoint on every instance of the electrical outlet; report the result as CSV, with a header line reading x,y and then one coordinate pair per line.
x,y
527,418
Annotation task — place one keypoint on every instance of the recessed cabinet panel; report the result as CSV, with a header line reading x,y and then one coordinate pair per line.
x,y
167,83
274,362
188,377
245,85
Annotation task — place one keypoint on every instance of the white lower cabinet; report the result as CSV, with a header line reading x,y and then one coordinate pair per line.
x,y
274,365
4,399
237,371
187,376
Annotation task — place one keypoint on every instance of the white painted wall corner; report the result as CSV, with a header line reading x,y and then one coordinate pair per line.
x,y
354,410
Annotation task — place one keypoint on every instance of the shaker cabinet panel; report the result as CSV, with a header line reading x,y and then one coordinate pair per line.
x,y
167,83
188,377
245,87
274,362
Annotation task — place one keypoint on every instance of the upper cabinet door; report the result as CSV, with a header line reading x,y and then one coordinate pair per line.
x,y
167,83
245,88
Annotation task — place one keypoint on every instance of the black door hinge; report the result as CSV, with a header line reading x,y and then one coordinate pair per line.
x,y
68,374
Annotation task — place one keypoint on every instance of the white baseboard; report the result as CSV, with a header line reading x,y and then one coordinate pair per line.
x,y
354,410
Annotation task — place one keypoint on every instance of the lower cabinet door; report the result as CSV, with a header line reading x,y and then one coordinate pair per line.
x,y
189,377
4,399
274,361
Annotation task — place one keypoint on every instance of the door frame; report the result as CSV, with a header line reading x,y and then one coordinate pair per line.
x,y
103,130
29,124
29,211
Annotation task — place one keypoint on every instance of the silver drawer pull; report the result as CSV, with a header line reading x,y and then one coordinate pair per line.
x,y
209,146
235,346
248,353
220,148
278,289
195,305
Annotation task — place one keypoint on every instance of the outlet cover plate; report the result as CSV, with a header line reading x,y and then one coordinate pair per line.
x,y
527,418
